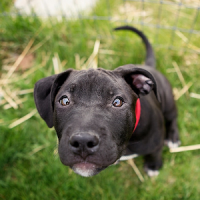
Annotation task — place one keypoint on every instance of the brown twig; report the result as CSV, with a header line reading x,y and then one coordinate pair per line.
x,y
77,61
132,164
9,99
183,91
18,102
180,75
185,148
57,64
63,63
2,102
37,46
27,91
96,51
93,59
19,59
38,149
197,96
23,119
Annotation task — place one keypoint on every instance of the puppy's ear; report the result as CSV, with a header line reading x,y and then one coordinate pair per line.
x,y
45,91
141,83
140,79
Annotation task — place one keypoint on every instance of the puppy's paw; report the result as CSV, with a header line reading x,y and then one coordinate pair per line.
x,y
151,172
171,144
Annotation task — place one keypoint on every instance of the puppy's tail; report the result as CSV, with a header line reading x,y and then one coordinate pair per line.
x,y
150,58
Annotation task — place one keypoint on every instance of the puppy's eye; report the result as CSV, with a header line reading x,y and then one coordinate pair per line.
x,y
64,101
118,102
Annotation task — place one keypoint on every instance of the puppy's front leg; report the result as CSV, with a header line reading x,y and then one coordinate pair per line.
x,y
172,137
153,162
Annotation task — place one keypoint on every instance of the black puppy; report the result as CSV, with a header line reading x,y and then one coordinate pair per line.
x,y
95,114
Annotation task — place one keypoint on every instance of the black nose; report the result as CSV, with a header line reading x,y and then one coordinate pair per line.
x,y
84,144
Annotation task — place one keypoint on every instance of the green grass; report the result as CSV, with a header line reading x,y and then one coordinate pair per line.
x,y
29,174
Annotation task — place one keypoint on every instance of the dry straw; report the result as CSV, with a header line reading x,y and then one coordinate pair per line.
x,y
92,61
136,170
194,95
185,148
11,99
20,58
10,96
23,119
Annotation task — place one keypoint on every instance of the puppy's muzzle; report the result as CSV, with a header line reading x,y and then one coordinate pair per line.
x,y
84,144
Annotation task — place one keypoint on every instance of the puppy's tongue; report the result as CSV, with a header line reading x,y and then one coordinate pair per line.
x,y
85,169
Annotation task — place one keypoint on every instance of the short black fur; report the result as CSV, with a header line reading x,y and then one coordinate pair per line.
x,y
93,134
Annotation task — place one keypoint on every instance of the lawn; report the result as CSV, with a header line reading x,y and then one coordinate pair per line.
x,y
29,164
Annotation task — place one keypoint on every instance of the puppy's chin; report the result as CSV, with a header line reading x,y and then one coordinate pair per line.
x,y
86,169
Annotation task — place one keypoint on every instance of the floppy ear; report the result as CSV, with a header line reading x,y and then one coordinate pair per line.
x,y
45,91
140,79
142,84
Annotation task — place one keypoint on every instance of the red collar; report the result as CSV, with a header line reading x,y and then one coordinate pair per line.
x,y
137,113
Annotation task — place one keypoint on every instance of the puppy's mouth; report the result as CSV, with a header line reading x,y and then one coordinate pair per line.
x,y
87,169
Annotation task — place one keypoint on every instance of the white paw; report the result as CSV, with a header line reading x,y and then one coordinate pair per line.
x,y
152,173
171,144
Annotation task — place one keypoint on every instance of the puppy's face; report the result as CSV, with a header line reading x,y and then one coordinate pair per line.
x,y
94,119
93,113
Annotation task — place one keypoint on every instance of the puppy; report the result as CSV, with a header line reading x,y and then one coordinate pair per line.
x,y
103,115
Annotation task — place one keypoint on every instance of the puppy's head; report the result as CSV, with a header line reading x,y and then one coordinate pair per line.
x,y
93,113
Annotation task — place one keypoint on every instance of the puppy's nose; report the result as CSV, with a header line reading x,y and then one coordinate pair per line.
x,y
84,144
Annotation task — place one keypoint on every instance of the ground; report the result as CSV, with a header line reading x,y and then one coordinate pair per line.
x,y
29,164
